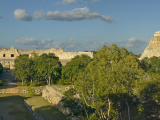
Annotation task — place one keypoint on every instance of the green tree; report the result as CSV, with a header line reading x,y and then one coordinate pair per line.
x,y
1,68
21,67
149,96
49,66
151,65
73,67
108,81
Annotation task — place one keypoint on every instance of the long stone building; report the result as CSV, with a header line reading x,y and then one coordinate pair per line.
x,y
8,55
153,49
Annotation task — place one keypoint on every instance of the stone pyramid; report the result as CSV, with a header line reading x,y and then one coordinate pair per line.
x,y
153,49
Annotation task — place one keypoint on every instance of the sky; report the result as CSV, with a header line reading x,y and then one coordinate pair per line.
x,y
78,25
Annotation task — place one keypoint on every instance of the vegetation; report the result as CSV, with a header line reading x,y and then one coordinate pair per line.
x,y
108,82
73,67
12,105
1,68
45,109
1,83
108,87
37,67
113,83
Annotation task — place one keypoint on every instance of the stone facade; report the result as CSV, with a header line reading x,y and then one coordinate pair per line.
x,y
8,55
153,49
54,96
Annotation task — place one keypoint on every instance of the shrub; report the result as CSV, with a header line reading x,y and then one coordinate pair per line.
x,y
30,91
19,83
1,68
42,83
1,83
33,84
60,82
26,83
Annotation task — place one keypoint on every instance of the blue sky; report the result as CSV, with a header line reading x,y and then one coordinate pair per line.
x,y
78,25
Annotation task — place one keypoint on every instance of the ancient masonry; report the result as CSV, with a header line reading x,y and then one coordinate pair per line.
x,y
8,55
153,49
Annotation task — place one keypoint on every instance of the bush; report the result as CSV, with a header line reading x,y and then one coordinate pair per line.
x,y
42,83
26,83
1,83
60,82
34,83
30,91
1,68
19,83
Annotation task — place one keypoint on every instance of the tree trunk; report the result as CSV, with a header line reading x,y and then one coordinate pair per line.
x,y
128,110
49,80
108,108
31,80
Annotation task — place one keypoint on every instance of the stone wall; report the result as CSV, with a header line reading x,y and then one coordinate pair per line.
x,y
153,49
19,91
30,108
55,96
8,55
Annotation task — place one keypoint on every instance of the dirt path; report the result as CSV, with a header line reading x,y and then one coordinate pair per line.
x,y
8,78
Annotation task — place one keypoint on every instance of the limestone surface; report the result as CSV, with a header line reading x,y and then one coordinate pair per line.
x,y
153,49
54,96
8,55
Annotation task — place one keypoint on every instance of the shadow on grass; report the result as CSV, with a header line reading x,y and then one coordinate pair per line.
x,y
13,107
50,113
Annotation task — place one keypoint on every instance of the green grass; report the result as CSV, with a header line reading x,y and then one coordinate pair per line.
x,y
12,107
26,87
45,109
62,90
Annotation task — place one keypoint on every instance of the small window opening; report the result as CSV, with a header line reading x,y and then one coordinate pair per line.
x,y
4,55
12,55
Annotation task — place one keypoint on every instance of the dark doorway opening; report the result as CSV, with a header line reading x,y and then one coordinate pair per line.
x,y
12,55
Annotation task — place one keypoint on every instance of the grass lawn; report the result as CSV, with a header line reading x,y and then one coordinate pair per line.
x,y
45,109
12,107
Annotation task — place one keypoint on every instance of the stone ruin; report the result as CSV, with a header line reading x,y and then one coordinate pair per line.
x,y
153,49
54,96
8,55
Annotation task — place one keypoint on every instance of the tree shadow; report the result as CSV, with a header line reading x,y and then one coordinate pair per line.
x,y
12,107
50,113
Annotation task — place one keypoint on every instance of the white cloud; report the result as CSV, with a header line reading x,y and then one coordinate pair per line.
x,y
47,43
69,2
134,42
75,14
95,1
26,41
135,45
22,15
57,3
1,17
71,39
